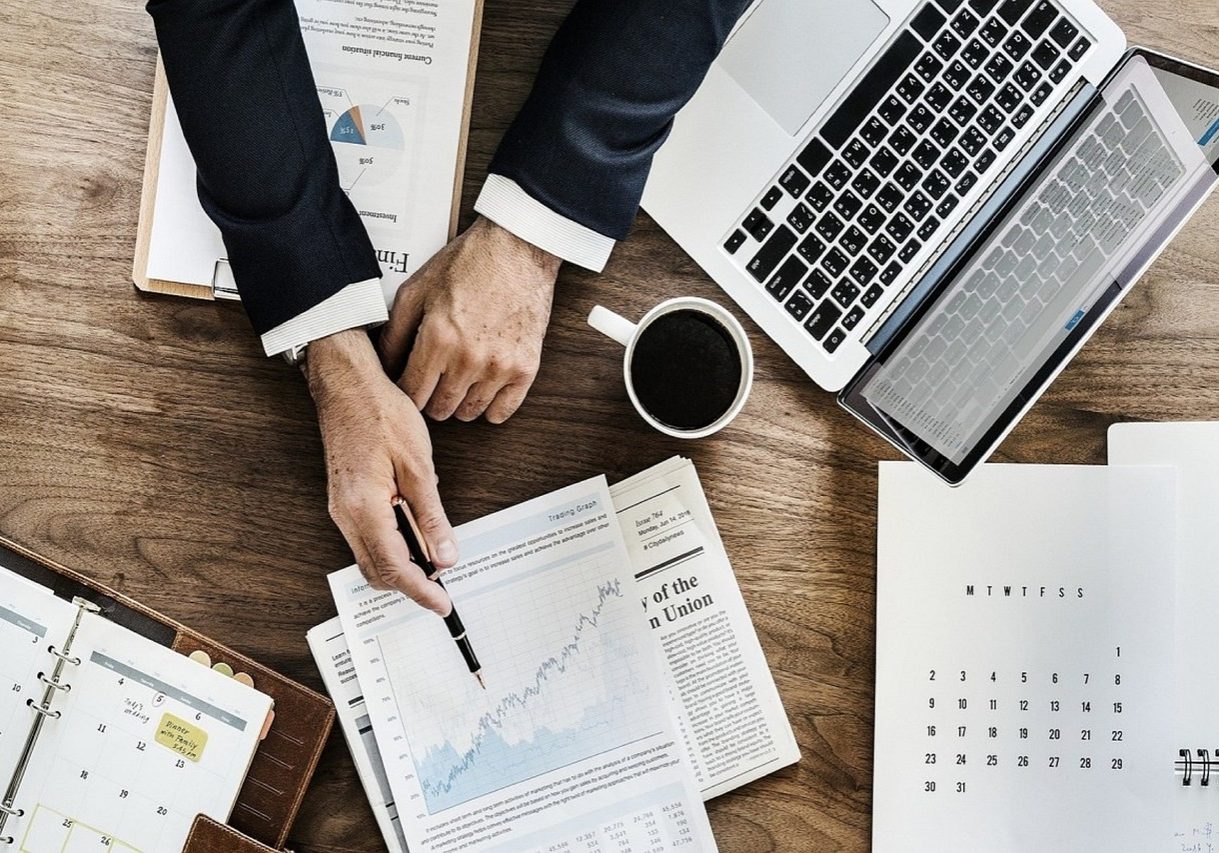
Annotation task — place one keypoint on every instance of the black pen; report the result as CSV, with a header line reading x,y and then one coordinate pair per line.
x,y
414,544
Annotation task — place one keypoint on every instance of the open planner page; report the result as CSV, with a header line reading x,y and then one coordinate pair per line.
x,y
144,740
30,620
1193,448
1024,659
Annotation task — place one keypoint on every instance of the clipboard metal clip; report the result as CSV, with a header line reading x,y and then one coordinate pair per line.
x,y
224,286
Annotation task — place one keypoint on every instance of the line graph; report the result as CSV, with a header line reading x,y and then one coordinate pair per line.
x,y
561,677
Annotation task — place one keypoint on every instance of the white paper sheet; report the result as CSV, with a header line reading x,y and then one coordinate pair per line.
x,y
573,741
1023,684
1194,449
728,709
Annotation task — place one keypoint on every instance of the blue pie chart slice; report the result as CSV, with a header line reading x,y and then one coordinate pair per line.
x,y
349,128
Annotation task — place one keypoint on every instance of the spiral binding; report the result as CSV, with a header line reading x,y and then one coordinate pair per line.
x,y
53,684
1201,762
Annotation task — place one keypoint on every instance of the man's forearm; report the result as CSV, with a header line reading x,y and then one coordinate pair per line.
x,y
245,95
612,80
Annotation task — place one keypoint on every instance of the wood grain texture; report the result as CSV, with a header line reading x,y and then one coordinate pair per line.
x,y
146,441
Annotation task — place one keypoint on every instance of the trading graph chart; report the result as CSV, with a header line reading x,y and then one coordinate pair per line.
x,y
561,684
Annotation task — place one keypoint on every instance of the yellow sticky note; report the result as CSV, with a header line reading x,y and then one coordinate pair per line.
x,y
182,737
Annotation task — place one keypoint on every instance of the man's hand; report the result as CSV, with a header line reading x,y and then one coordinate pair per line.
x,y
477,313
377,447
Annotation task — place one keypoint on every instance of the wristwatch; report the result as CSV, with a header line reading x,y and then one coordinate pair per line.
x,y
295,356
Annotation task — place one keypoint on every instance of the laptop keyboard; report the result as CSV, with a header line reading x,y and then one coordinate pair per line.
x,y
990,327
885,173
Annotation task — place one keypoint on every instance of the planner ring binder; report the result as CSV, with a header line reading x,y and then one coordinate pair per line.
x,y
43,711
1202,763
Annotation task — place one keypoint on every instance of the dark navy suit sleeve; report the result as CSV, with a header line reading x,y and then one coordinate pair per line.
x,y
612,80
244,92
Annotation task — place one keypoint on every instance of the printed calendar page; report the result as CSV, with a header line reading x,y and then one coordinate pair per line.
x,y
1024,659
142,741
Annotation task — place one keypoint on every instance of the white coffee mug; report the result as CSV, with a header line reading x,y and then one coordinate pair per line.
x,y
627,333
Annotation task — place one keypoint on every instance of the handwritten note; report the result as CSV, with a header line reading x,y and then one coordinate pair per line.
x,y
186,739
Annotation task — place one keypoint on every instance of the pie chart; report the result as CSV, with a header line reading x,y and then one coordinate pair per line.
x,y
367,124
368,145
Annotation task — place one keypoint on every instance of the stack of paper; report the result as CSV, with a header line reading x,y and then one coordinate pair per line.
x,y
624,681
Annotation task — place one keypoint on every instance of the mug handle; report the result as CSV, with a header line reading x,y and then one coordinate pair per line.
x,y
612,325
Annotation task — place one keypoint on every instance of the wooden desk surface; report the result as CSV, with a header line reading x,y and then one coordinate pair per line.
x,y
148,442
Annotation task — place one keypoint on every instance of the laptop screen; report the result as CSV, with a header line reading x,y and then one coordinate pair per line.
x,y
1007,317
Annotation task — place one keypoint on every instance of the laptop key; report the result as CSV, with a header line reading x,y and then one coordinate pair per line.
x,y
757,224
874,131
945,208
890,197
918,206
911,88
928,229
902,140
983,7
800,219
1009,98
823,319
900,227
833,340
1013,10
1022,115
928,22
735,240
938,97
944,132
975,53
883,162
872,218
790,274
1046,54
817,284
853,240
920,119
991,119
1078,49
852,318
863,272
811,248
954,163
771,198
909,251
1060,72
936,184
1004,138
829,226
999,67
882,248
908,176
957,75
865,183
835,263
871,296
891,111
1064,32
848,205
950,6
965,183
772,252
1027,76
992,32
962,111
928,67
926,155
838,174
870,89
794,181
985,160
819,196
965,23
815,157
856,153
1039,20
844,293
947,45
799,305
890,274
972,141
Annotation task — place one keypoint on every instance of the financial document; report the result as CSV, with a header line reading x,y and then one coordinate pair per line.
x,y
573,742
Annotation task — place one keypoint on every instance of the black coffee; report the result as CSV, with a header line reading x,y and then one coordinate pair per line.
x,y
686,370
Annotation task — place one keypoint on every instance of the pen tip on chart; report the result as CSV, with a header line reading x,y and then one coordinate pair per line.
x,y
481,683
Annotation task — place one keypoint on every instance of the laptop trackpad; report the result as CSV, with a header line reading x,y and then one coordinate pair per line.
x,y
790,54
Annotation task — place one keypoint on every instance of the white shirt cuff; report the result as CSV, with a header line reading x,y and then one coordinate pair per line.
x,y
504,202
356,305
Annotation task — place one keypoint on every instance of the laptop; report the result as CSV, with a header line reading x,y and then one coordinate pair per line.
x,y
931,206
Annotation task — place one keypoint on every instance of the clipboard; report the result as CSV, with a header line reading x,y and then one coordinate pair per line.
x,y
285,760
223,284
